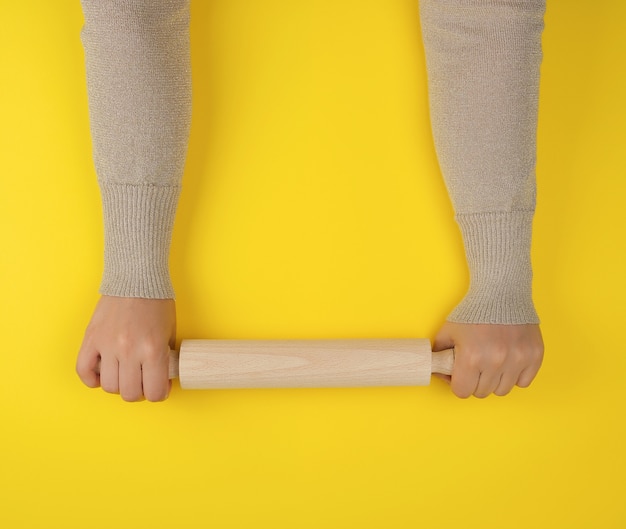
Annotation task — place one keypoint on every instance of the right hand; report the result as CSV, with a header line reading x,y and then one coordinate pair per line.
x,y
491,358
131,339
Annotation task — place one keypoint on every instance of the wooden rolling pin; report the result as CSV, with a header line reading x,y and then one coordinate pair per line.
x,y
226,364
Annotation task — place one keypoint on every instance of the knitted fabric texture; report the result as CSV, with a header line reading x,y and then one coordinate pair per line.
x,y
139,86
483,59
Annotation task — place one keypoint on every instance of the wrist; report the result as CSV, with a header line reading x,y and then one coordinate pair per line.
x,y
497,248
138,223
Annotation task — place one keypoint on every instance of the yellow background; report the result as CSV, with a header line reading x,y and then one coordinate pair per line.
x,y
313,207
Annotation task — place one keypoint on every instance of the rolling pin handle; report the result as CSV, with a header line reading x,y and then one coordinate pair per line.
x,y
173,371
443,362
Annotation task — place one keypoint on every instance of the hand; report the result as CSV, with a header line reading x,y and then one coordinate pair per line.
x,y
491,358
131,339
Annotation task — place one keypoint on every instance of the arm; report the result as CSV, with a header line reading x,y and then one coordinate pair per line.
x,y
139,86
483,59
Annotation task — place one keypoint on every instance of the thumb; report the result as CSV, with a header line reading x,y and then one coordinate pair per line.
x,y
443,339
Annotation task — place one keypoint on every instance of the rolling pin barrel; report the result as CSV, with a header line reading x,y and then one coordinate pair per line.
x,y
227,364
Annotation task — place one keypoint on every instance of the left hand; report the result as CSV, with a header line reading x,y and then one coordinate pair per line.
x,y
491,358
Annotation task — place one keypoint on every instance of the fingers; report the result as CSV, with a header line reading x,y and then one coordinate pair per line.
x,y
87,366
465,374
156,383
493,367
528,375
131,379
147,380
130,383
487,383
133,376
507,383
109,374
125,348
487,371
137,377
491,359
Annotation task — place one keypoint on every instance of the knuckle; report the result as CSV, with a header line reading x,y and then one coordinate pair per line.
x,y
528,356
146,350
123,346
473,359
152,352
123,340
519,358
498,358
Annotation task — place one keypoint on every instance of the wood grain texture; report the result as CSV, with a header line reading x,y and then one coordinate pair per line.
x,y
225,364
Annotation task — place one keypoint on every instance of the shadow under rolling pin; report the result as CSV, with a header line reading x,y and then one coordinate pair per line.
x,y
229,364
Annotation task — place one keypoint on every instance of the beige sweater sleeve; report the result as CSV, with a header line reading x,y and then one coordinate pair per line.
x,y
139,87
483,59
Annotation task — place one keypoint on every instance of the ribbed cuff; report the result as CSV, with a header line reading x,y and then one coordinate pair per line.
x,y
497,247
138,222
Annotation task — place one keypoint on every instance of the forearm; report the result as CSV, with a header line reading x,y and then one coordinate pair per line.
x,y
139,86
483,59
